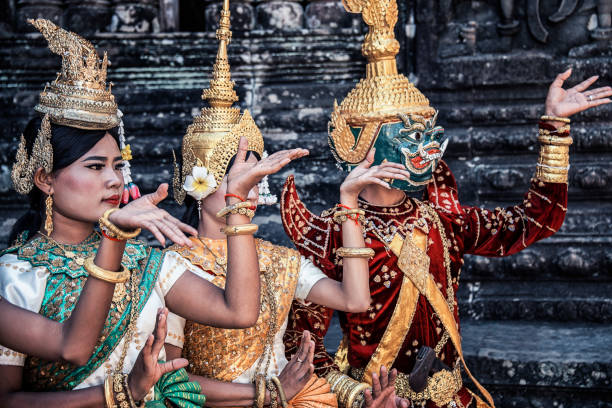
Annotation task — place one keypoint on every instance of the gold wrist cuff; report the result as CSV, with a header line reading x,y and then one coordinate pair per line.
x,y
553,161
243,229
112,230
281,392
243,208
105,275
554,119
364,252
356,397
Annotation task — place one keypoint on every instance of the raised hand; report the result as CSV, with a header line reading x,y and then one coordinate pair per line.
x,y
296,374
243,176
566,102
365,174
147,370
382,394
143,213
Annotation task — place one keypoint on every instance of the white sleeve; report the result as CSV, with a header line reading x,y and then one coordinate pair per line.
x,y
309,275
23,286
176,330
173,267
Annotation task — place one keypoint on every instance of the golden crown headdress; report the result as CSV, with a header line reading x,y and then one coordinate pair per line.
x,y
212,139
383,94
78,97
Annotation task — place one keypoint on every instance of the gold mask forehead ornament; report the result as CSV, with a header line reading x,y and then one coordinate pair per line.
x,y
212,139
383,94
79,98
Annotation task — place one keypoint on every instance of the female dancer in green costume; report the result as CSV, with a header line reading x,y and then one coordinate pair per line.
x,y
75,159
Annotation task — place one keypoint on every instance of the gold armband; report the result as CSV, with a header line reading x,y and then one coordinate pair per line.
x,y
341,216
242,208
553,162
105,275
243,229
555,119
114,232
108,393
364,252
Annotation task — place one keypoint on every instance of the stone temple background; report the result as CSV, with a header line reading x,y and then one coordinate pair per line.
x,y
536,326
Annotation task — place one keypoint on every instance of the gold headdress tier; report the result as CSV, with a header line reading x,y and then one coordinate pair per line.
x,y
212,139
78,97
383,93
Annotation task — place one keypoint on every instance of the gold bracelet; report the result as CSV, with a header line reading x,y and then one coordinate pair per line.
x,y
112,230
273,393
364,252
119,391
235,208
281,392
260,391
242,229
554,119
108,393
563,129
106,275
343,215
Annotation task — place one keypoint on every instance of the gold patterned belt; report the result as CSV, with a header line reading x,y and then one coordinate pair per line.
x,y
441,387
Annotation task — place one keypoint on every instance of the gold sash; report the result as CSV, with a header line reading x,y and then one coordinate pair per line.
x,y
413,261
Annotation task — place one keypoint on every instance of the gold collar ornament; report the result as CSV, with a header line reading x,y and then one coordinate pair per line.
x,y
79,98
212,139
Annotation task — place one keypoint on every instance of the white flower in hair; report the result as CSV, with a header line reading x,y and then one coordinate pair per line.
x,y
200,183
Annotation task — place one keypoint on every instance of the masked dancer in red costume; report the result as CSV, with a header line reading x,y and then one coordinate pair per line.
x,y
413,319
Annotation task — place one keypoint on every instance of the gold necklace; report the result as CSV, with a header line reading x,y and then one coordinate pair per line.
x,y
68,253
221,261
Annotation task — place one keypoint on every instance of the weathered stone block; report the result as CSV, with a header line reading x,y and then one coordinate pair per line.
x,y
329,14
242,16
280,15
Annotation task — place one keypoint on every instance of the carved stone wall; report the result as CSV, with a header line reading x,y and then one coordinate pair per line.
x,y
536,325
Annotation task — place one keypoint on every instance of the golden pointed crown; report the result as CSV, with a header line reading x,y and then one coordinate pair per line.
x,y
212,139
383,94
78,97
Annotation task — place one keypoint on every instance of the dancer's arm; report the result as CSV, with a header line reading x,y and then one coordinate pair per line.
x,y
353,293
505,231
227,394
145,373
237,306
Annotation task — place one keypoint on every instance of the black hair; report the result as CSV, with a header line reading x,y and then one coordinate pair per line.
x,y
191,216
68,145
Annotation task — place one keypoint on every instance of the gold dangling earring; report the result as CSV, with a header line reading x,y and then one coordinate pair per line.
x,y
49,215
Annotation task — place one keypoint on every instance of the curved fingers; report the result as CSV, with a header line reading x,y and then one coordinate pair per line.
x,y
173,365
585,84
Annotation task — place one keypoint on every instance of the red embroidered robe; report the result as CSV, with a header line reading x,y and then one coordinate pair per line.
x,y
466,230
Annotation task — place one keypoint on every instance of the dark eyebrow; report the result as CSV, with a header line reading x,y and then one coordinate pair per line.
x,y
100,158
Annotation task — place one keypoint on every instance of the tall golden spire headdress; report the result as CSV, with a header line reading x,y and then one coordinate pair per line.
x,y
212,139
383,94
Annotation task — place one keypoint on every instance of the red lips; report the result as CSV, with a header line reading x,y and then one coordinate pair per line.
x,y
418,162
113,200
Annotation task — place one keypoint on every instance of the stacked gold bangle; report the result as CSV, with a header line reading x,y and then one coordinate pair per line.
x,y
112,231
350,393
345,252
242,208
109,276
553,161
117,393
341,216
242,229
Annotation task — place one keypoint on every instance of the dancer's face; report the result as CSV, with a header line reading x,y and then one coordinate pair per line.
x,y
212,204
92,184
